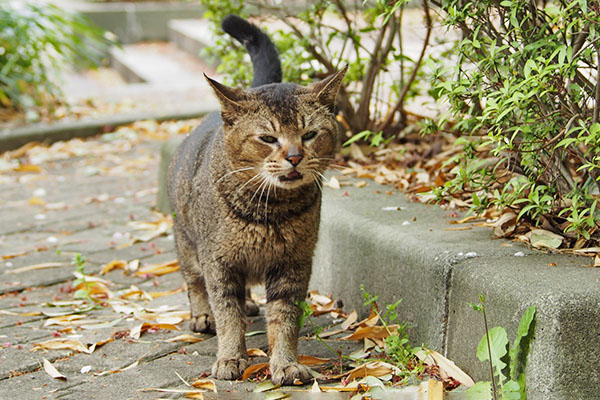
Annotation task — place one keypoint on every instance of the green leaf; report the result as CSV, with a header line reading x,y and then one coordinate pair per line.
x,y
480,391
511,391
497,348
522,332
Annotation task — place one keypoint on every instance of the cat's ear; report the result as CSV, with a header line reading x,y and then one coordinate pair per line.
x,y
327,89
230,99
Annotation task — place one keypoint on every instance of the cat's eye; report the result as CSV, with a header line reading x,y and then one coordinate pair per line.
x,y
268,139
309,135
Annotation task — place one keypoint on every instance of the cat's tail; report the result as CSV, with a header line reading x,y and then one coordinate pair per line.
x,y
264,56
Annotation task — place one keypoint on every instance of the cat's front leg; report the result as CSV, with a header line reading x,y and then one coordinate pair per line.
x,y
227,295
285,287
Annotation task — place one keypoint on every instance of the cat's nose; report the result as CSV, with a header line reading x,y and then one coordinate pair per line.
x,y
294,159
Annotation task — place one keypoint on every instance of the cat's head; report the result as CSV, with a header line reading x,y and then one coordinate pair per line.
x,y
282,134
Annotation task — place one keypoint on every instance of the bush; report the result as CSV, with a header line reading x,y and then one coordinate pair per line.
x,y
36,42
324,37
524,90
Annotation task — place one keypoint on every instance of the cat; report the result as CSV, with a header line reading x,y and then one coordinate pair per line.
x,y
245,187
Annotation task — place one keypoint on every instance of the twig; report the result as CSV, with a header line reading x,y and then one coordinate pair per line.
x,y
390,115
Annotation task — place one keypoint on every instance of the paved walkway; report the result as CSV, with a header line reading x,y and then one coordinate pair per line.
x,y
96,198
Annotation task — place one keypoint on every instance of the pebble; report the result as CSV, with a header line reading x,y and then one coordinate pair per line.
x,y
519,254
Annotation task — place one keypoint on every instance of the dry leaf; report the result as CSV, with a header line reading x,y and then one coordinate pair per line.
x,y
61,344
435,390
333,183
186,337
254,369
114,264
597,261
205,384
28,168
505,225
371,332
352,317
158,269
315,387
35,267
373,368
311,360
118,370
155,295
447,368
52,371
256,353
541,238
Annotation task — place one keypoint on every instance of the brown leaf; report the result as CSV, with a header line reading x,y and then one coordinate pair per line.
x,y
35,267
52,371
311,360
256,353
254,369
186,337
352,317
159,269
373,368
371,332
114,264
205,384
61,344
435,390
447,368
506,224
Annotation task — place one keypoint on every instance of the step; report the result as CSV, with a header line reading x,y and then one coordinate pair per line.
x,y
408,253
190,35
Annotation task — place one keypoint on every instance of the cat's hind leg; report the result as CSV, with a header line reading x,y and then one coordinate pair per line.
x,y
285,287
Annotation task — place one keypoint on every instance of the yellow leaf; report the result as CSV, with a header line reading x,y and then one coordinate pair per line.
x,y
186,337
28,168
158,269
254,369
310,360
35,267
256,353
435,390
155,295
373,368
52,371
61,344
371,332
117,370
37,201
205,384
315,387
114,264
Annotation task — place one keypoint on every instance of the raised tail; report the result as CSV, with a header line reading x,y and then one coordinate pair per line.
x,y
264,56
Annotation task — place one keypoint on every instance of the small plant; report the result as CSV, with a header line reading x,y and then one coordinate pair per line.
x,y
37,41
84,286
507,381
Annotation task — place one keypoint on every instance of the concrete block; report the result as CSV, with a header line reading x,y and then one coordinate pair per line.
x,y
568,313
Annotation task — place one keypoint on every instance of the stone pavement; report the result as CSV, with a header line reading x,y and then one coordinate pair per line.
x,y
94,203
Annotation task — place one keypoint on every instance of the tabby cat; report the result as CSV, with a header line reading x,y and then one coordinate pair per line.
x,y
245,188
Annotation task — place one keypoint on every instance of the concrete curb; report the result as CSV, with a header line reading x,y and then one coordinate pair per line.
x,y
12,138
408,253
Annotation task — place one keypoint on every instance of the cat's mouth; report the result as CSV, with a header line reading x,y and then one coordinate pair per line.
x,y
292,176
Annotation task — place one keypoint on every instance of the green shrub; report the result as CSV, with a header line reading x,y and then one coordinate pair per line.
x,y
36,42
322,38
524,89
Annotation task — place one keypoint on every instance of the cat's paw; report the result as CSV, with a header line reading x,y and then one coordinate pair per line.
x,y
252,308
287,374
203,323
229,368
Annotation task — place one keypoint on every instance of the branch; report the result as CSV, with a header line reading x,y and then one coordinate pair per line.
x,y
399,105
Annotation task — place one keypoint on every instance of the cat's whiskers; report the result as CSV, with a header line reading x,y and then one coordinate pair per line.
x,y
267,201
264,186
245,184
262,183
233,172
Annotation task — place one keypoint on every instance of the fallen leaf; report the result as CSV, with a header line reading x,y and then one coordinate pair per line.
x,y
459,228
28,168
156,295
158,269
597,261
52,371
35,267
61,344
505,225
114,264
435,390
186,337
541,238
256,353
371,332
265,386
315,387
447,368
37,201
311,360
118,370
352,317
254,369
373,368
205,384
333,183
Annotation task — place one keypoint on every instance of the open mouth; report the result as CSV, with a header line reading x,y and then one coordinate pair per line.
x,y
292,176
